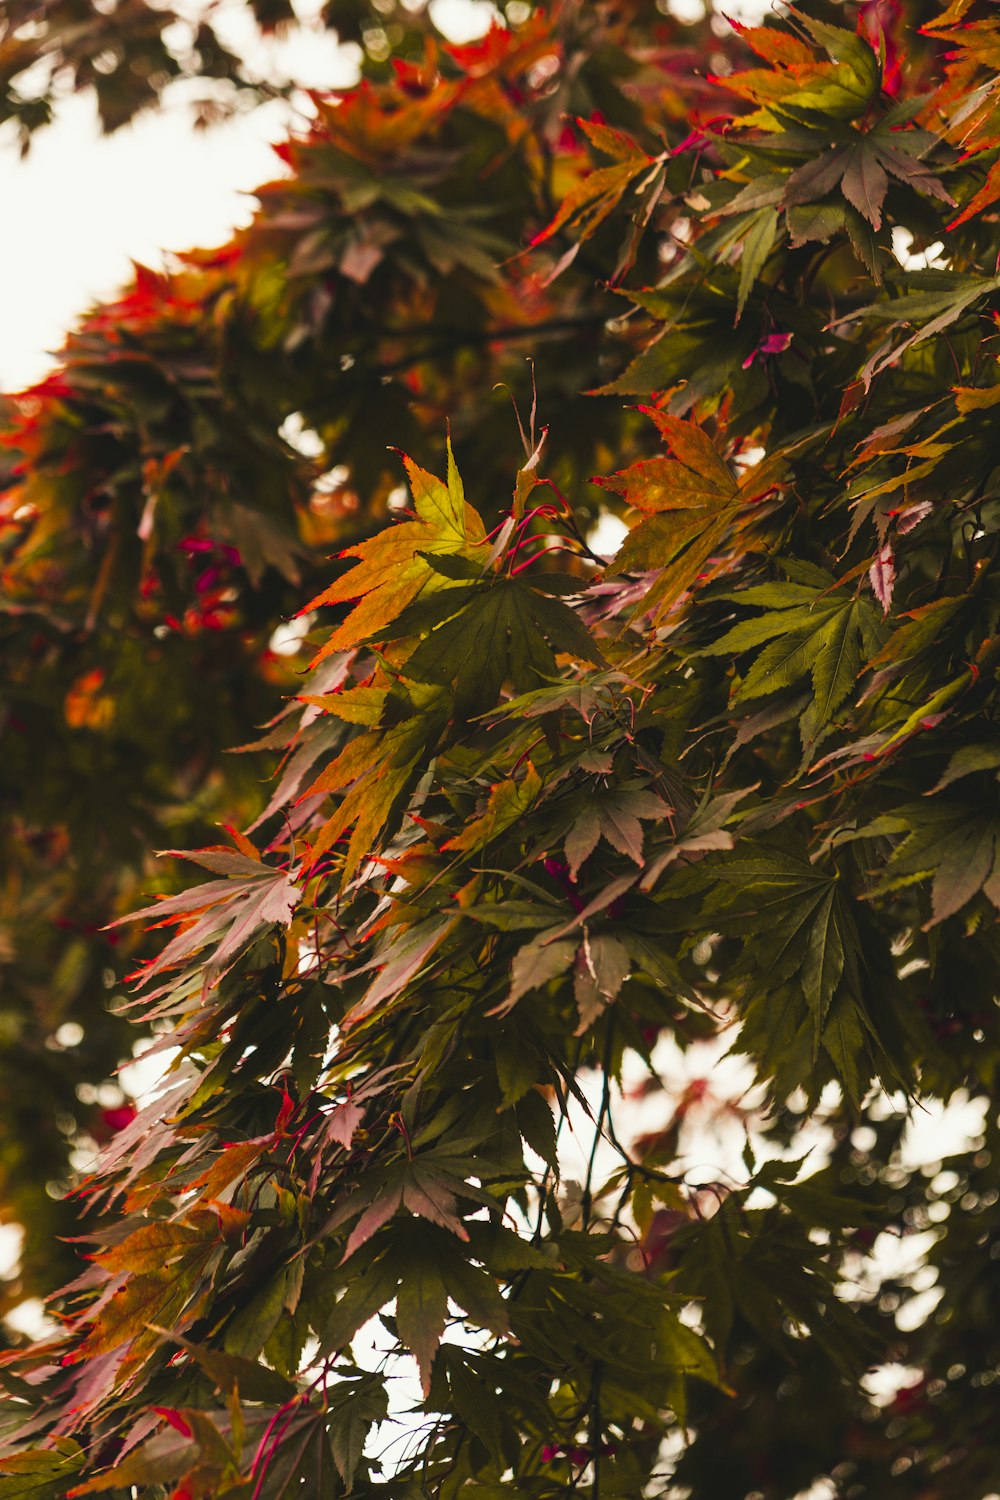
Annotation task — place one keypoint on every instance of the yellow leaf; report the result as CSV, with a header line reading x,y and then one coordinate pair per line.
x,y
508,802
392,570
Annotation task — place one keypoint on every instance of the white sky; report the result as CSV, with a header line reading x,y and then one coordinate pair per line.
x,y
81,206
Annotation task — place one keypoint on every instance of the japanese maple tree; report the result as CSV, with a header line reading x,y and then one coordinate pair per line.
x,y
542,815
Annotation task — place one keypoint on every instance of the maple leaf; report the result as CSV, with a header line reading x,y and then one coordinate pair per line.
x,y
603,963
508,803
796,923
422,1310
613,815
370,124
226,913
424,1187
483,635
954,844
860,163
394,567
547,956
591,200
487,54
840,88
692,499
806,629
356,1403
941,300
166,1266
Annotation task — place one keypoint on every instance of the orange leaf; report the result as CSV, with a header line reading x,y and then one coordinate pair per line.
x,y
988,193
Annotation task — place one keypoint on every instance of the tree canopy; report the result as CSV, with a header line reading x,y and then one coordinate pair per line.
x,y
539,814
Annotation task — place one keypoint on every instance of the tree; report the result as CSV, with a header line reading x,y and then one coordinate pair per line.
x,y
536,812
361,304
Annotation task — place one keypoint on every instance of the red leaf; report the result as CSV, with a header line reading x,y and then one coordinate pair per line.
x,y
172,1415
288,1108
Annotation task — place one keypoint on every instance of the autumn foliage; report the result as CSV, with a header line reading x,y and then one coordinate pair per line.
x,y
540,816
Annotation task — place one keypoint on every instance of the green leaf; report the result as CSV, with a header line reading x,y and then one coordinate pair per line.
x,y
368,1291
421,1310
41,1473
255,1382
508,804
507,632
476,1405
793,916
355,1404
823,639
966,762
248,1332
537,1126
953,844
393,568
757,246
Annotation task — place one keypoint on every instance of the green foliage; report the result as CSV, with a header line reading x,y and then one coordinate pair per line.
x,y
542,819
